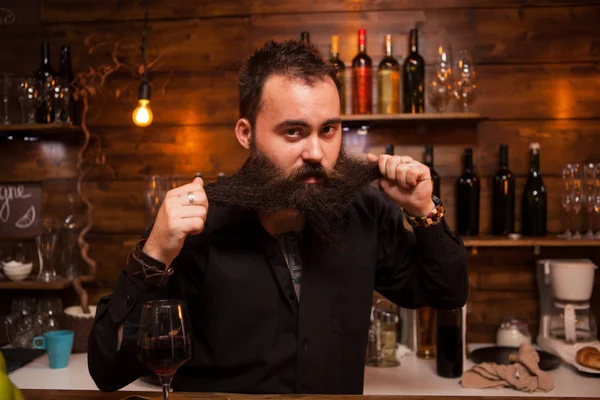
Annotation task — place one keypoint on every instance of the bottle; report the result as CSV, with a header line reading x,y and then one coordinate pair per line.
x,y
389,149
435,178
449,343
362,78
305,38
69,114
534,197
503,207
388,81
45,76
341,70
426,333
467,198
413,73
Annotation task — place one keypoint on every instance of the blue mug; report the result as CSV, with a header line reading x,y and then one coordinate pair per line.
x,y
58,344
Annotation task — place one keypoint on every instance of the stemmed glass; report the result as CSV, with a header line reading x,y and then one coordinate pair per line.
x,y
567,177
589,196
577,198
30,98
165,339
466,87
596,199
46,243
440,84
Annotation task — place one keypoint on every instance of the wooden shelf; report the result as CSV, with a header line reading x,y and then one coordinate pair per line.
x,y
34,285
548,241
38,130
426,117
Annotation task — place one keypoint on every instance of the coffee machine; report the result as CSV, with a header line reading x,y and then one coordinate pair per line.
x,y
566,322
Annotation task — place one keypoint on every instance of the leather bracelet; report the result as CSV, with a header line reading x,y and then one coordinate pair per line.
x,y
143,267
434,217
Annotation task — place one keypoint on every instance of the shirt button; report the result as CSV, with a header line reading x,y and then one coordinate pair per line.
x,y
128,301
439,239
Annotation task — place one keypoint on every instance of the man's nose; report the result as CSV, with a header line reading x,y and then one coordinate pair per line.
x,y
312,149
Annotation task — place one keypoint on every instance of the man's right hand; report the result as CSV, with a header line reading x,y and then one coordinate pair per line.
x,y
175,219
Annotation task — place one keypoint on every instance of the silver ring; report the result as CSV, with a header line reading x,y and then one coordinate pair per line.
x,y
409,164
399,159
191,198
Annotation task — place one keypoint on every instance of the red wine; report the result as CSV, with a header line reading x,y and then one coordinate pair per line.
x,y
362,78
534,213
165,354
503,208
467,198
449,343
413,82
435,178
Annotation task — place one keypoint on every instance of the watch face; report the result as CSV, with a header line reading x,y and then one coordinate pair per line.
x,y
435,199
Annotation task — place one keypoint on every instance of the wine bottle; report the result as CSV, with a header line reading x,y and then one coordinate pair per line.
x,y
45,76
503,207
413,73
341,70
362,78
534,211
435,178
467,198
449,343
305,38
69,114
389,149
388,81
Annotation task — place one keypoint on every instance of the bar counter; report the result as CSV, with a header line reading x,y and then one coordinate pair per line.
x,y
413,379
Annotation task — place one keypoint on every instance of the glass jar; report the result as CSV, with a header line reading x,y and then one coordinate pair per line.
x,y
513,332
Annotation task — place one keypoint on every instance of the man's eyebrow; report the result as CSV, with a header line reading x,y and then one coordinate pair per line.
x,y
292,122
333,121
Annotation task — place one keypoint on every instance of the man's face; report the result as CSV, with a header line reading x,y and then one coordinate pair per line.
x,y
299,124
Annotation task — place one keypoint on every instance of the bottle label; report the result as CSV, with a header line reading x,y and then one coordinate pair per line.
x,y
389,91
362,94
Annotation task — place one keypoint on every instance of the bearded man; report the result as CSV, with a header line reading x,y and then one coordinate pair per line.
x,y
277,264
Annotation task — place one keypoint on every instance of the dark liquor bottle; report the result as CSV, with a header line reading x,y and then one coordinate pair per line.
x,y
435,178
362,78
413,84
341,70
534,197
305,37
69,113
45,75
449,343
467,198
389,149
388,81
503,207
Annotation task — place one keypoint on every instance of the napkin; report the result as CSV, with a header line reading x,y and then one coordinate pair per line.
x,y
524,375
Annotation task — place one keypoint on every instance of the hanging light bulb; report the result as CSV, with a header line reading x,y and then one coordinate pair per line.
x,y
142,115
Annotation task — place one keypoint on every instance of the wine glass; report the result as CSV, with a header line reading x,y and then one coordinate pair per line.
x,y
596,202
567,177
30,98
164,340
465,87
589,197
577,198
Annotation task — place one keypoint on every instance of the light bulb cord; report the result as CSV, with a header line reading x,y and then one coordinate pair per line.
x,y
144,30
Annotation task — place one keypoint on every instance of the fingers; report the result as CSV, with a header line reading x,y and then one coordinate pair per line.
x,y
402,170
196,185
372,157
192,226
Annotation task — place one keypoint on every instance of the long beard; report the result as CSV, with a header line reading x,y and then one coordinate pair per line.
x,y
260,186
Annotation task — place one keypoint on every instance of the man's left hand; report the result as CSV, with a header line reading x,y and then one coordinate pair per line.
x,y
407,182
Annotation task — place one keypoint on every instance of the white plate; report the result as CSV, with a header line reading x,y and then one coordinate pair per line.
x,y
568,352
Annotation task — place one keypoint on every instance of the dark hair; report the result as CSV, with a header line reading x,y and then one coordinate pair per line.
x,y
290,59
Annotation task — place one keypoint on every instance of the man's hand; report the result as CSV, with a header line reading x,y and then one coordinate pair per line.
x,y
176,218
407,182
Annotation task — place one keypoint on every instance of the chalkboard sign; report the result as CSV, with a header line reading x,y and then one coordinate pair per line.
x,y
20,209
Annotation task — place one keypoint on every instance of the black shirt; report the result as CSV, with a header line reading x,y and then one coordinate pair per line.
x,y
250,332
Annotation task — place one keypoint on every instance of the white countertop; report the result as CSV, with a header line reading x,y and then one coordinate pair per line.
x,y
413,377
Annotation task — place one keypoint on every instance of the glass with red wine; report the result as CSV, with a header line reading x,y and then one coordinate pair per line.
x,y
165,339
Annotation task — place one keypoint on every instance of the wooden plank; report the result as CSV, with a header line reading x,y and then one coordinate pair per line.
x,y
40,129
34,285
399,118
533,36
89,10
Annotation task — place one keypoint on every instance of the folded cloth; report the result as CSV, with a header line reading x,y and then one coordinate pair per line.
x,y
524,375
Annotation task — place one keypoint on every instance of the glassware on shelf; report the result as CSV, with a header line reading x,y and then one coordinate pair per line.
x,y
46,243
465,88
567,177
49,315
6,91
596,201
19,324
30,98
577,198
589,190
72,224
61,97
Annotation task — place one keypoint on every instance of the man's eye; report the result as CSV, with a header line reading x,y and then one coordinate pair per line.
x,y
328,129
292,132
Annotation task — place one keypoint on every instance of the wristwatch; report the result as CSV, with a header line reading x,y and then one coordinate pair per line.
x,y
434,217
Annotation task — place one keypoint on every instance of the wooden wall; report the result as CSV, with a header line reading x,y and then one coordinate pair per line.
x,y
538,81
